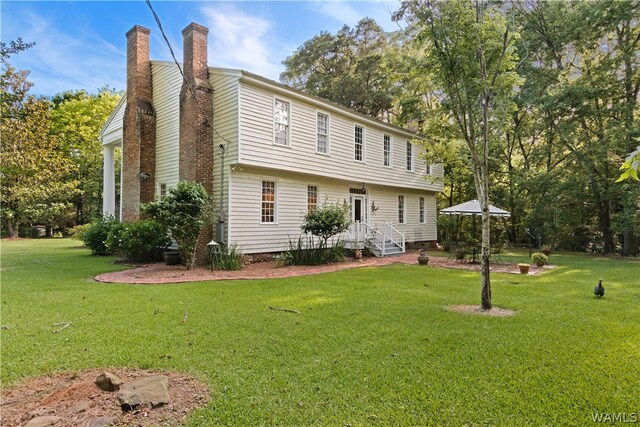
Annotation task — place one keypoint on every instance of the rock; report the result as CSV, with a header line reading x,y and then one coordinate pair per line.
x,y
149,391
102,421
108,381
49,420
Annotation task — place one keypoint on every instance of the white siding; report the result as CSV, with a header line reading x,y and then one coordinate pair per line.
x,y
257,148
112,130
225,121
253,237
166,96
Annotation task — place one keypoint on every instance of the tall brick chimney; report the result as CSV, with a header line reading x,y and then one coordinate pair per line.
x,y
139,127
196,118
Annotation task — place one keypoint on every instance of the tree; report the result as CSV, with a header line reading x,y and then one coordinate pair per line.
x,y
471,56
184,211
77,117
326,221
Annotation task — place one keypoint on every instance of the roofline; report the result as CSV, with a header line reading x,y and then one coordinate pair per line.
x,y
123,99
250,77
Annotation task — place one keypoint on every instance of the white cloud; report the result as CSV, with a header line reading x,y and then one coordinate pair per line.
x,y
61,61
341,11
240,40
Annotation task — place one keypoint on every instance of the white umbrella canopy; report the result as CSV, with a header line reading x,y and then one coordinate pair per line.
x,y
472,207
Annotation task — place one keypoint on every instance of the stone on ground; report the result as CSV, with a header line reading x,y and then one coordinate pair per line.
x,y
102,421
151,392
108,381
46,421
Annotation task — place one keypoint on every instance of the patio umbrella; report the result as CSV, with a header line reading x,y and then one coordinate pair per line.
x,y
472,207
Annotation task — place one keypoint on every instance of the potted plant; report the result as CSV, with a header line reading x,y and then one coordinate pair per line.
x,y
423,258
539,259
524,268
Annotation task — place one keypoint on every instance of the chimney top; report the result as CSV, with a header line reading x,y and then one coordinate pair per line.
x,y
138,29
195,27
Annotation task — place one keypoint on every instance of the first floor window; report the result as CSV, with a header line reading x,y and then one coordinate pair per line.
x,y
281,122
409,156
359,144
312,197
400,209
323,133
268,202
421,210
163,190
429,169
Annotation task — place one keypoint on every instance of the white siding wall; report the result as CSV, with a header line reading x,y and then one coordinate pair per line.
x,y
225,121
113,130
253,237
257,148
166,96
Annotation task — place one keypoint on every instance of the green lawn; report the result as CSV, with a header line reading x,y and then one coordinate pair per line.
x,y
372,346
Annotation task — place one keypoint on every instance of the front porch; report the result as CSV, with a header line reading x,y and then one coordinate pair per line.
x,y
385,242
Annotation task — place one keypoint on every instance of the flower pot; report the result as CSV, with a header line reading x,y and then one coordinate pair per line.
x,y
423,259
524,268
171,258
540,264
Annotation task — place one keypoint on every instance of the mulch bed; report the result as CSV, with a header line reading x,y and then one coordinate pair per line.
x,y
476,309
161,273
76,399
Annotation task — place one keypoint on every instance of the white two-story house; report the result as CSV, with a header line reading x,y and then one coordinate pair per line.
x,y
266,151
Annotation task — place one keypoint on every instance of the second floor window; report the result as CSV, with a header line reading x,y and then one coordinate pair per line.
x,y
421,210
312,197
409,156
400,209
387,150
323,134
359,144
281,122
268,214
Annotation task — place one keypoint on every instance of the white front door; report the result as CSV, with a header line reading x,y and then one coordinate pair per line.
x,y
359,212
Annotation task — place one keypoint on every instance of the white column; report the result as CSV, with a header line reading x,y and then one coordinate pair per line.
x,y
109,181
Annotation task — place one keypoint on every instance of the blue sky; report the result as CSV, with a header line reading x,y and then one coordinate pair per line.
x,y
81,45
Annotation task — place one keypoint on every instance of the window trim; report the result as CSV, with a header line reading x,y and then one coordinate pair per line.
x,y
390,165
275,202
429,169
273,118
162,194
422,210
317,195
404,209
328,153
413,167
364,144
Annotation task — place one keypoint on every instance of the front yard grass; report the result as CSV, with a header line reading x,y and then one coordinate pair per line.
x,y
372,346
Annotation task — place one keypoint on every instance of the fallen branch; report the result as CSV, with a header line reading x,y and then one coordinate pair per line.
x,y
64,325
4,327
288,310
186,316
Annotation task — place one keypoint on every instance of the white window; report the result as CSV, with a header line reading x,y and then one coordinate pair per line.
x,y
163,190
387,150
359,144
281,122
400,209
312,197
429,170
409,156
322,145
268,214
421,210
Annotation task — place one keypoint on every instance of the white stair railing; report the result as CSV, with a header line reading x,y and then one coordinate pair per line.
x,y
395,235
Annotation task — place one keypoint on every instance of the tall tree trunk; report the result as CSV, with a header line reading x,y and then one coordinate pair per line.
x,y
13,228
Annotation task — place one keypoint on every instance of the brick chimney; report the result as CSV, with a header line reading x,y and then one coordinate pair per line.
x,y
139,127
196,119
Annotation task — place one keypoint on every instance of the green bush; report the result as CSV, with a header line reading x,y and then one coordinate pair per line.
x,y
227,258
326,221
138,241
310,251
95,235
76,232
539,259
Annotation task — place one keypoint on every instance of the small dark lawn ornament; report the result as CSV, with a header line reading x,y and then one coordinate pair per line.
x,y
599,289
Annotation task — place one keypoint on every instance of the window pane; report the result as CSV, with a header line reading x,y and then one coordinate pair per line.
x,y
387,150
401,209
422,210
268,210
409,156
312,197
359,144
281,120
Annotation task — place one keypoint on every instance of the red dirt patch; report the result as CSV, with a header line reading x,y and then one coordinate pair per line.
x,y
161,273
76,399
476,309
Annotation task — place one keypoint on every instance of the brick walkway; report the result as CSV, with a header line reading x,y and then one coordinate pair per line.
x,y
161,273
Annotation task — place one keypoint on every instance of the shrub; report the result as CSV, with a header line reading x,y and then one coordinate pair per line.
x,y
95,235
228,258
138,241
310,251
326,221
184,211
539,259
76,232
